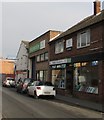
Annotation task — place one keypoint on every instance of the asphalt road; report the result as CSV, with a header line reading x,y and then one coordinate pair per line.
x,y
16,105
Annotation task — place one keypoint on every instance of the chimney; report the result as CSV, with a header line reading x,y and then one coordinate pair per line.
x,y
97,7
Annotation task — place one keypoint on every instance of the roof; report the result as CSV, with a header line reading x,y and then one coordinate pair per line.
x,y
26,43
44,34
93,19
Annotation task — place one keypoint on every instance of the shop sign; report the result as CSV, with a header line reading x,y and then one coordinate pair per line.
x,y
34,48
55,62
37,46
59,66
94,63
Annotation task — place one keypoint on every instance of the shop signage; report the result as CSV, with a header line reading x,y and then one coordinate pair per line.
x,y
59,66
55,62
37,46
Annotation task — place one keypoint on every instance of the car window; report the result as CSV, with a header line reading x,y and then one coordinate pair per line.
x,y
31,84
48,83
40,83
10,79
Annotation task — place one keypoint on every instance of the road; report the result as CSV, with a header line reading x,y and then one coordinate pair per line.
x,y
16,105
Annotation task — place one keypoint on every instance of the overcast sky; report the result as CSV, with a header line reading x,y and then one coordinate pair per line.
x,y
28,20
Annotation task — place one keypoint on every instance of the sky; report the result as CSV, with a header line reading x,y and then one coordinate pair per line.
x,y
28,20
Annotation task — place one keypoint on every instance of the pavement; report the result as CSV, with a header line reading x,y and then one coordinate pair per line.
x,y
82,103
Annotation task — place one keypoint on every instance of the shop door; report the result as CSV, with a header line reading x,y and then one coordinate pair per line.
x,y
69,79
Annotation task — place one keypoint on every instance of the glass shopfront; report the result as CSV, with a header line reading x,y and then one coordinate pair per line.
x,y
59,76
86,77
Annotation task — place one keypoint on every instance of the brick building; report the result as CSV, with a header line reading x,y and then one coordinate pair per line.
x,y
39,55
77,58
6,68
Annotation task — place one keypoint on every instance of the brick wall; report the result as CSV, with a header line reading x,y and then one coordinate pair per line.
x,y
95,46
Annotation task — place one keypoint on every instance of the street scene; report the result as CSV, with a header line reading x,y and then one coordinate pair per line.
x,y
21,106
48,70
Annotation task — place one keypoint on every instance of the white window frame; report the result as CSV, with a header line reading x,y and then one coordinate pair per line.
x,y
87,39
59,47
69,43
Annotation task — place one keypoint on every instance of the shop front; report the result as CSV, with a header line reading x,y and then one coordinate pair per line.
x,y
62,75
87,77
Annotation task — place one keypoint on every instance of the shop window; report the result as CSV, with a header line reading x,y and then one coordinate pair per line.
x,y
58,78
86,77
59,47
83,39
46,56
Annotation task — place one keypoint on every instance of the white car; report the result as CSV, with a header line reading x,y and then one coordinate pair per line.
x,y
8,81
39,88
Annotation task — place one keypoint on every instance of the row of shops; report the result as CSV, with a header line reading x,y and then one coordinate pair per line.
x,y
72,60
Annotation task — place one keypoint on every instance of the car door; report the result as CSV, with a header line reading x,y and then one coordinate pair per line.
x,y
32,88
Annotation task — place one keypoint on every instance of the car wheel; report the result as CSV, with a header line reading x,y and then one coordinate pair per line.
x,y
28,93
35,95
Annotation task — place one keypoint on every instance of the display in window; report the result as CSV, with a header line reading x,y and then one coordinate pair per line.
x,y
86,77
58,78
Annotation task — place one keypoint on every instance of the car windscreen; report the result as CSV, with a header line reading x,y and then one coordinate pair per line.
x,y
10,79
48,84
45,83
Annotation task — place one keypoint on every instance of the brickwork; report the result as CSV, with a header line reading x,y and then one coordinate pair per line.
x,y
96,46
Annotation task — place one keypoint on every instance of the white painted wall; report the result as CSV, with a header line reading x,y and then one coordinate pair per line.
x,y
22,61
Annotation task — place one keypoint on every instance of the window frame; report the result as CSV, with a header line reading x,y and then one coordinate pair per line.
x,y
58,46
37,58
43,57
70,40
80,40
46,57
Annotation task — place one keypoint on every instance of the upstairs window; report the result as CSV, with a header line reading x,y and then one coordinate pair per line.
x,y
83,39
59,47
69,44
38,58
46,56
42,57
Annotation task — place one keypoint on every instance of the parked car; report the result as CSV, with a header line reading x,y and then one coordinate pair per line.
x,y
19,85
39,88
12,82
26,82
8,81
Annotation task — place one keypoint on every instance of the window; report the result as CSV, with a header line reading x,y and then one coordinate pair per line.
x,y
86,77
83,39
58,78
46,56
42,44
42,57
59,47
42,75
38,58
69,43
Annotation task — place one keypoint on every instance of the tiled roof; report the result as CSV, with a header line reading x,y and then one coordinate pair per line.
x,y
93,19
